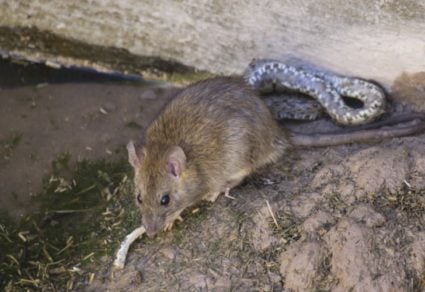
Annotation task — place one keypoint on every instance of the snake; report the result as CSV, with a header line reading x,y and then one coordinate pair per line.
x,y
326,89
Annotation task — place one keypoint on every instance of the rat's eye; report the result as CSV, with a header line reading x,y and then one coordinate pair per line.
x,y
139,197
165,199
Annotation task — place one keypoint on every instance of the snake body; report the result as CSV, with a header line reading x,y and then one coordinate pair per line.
x,y
293,107
328,89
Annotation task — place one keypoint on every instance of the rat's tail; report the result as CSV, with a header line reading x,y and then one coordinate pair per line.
x,y
402,125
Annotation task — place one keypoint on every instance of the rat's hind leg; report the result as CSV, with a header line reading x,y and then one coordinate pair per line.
x,y
230,183
234,181
226,194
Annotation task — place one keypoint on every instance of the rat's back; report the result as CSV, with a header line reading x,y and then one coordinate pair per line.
x,y
218,120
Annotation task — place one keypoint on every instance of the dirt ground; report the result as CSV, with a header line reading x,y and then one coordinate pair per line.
x,y
88,121
340,218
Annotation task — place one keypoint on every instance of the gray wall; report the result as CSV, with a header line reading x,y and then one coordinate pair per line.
x,y
376,39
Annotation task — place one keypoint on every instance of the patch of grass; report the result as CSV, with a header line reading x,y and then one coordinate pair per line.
x,y
336,204
133,125
287,226
61,163
8,145
199,213
410,202
326,280
81,218
192,218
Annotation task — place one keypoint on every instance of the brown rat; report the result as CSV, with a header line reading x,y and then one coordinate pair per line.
x,y
207,139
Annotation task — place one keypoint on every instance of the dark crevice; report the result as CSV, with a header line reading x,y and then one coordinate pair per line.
x,y
30,39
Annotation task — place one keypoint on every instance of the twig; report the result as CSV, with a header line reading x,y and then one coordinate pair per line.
x,y
271,214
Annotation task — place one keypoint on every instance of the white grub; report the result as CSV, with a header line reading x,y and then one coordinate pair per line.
x,y
125,245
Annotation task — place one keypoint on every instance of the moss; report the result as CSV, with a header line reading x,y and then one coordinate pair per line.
x,y
9,144
81,218
134,125
185,78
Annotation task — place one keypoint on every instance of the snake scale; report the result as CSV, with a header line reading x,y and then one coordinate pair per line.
x,y
326,88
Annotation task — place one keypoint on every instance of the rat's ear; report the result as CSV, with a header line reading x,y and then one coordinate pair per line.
x,y
176,161
135,156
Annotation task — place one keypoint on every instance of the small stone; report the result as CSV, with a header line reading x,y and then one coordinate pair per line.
x,y
365,213
169,253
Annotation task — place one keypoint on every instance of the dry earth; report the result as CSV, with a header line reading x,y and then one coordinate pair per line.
x,y
88,121
346,218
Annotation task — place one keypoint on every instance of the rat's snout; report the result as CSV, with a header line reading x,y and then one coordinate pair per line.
x,y
151,231
152,225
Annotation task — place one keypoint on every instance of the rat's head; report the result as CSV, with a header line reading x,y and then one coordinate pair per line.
x,y
159,184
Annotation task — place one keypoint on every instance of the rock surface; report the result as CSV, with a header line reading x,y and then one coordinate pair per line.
x,y
373,39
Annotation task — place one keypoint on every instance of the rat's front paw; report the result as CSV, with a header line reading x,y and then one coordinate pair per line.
x,y
170,225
